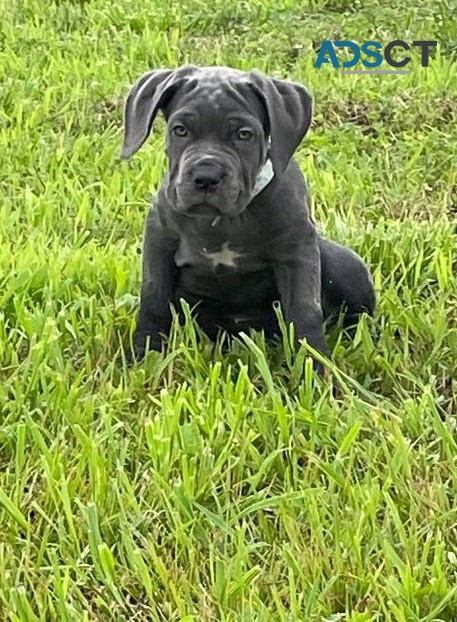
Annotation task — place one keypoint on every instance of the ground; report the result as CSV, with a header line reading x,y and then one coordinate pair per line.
x,y
206,485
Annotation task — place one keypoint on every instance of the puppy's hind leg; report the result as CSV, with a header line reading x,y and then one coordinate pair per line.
x,y
346,284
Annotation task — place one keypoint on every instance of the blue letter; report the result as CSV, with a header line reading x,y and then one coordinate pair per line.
x,y
352,46
366,50
326,48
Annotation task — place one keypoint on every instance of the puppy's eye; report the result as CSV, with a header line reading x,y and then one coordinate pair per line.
x,y
180,130
244,134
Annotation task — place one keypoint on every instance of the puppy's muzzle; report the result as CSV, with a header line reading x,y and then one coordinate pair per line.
x,y
207,175
207,184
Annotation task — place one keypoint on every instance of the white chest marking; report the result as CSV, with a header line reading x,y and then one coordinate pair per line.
x,y
224,256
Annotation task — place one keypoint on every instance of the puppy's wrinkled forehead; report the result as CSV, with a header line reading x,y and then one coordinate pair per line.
x,y
213,95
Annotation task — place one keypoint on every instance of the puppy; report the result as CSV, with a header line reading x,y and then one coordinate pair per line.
x,y
230,230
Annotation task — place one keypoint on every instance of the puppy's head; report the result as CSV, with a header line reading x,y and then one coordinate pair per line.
x,y
229,133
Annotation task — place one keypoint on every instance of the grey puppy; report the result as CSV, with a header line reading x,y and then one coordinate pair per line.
x,y
230,230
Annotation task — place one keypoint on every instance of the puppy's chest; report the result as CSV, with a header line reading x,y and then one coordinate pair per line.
x,y
218,252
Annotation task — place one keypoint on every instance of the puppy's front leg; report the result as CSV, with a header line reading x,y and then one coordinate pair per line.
x,y
297,276
158,285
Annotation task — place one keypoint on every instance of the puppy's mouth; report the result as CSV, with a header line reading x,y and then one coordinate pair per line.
x,y
205,210
211,213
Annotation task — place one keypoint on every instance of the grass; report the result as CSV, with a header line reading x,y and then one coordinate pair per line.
x,y
202,486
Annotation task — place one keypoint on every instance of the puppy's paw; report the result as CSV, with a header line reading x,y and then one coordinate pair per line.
x,y
142,344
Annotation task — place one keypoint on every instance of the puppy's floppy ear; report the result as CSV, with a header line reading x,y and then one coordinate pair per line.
x,y
288,108
147,96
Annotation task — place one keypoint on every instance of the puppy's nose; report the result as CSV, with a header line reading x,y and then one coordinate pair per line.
x,y
207,176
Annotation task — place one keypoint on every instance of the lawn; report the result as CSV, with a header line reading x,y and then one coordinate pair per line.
x,y
204,485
